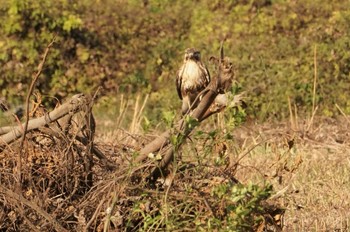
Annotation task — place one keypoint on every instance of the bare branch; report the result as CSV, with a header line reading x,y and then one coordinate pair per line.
x,y
31,88
71,106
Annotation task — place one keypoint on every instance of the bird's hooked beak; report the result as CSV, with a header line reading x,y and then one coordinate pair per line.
x,y
192,54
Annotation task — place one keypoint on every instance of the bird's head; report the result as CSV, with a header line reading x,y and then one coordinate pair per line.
x,y
192,54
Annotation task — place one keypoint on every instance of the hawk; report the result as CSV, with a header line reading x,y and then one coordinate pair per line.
x,y
192,78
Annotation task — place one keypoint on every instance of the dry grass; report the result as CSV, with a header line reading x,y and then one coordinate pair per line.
x,y
309,170
307,164
308,167
311,177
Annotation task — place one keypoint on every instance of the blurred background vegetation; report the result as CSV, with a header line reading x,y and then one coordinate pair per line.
x,y
135,47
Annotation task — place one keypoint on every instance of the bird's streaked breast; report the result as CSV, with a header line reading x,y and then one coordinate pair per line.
x,y
192,77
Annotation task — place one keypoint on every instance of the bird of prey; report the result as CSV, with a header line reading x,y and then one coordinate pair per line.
x,y
192,78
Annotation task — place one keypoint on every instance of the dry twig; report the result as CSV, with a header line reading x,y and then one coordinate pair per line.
x,y
30,91
18,197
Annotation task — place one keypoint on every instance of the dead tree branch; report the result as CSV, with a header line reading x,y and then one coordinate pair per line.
x,y
72,106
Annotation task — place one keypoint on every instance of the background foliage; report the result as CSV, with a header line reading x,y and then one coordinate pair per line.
x,y
130,47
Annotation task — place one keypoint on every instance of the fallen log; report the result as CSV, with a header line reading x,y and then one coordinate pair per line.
x,y
70,107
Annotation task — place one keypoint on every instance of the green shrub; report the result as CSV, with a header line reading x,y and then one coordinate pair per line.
x,y
101,43
243,206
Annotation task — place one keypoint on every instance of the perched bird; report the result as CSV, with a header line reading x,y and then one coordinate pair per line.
x,y
192,78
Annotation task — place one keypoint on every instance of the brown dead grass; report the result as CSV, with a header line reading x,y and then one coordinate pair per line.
x,y
311,177
308,169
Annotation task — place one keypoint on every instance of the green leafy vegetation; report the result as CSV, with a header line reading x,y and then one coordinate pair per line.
x,y
237,208
244,210
274,46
